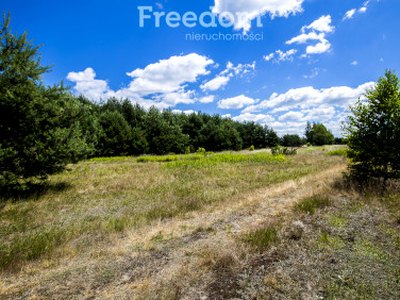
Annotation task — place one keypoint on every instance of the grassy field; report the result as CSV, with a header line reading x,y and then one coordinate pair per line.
x,y
217,226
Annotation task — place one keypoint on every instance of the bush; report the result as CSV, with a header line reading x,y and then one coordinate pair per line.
x,y
283,151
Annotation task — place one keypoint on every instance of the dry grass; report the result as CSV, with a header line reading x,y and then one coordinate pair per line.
x,y
144,231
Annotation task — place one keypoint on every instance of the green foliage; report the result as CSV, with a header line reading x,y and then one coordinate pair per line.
x,y
117,137
251,148
318,135
272,138
201,151
339,152
373,131
310,205
39,126
292,140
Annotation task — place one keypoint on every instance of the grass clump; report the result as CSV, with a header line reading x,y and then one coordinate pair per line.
x,y
310,205
264,237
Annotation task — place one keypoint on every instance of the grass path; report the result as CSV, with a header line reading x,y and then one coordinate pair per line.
x,y
171,258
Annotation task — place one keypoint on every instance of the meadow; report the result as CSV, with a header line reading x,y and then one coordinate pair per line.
x,y
188,226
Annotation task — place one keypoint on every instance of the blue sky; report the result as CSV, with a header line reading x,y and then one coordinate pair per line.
x,y
312,59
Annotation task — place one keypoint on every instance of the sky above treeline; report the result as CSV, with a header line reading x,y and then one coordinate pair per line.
x,y
275,62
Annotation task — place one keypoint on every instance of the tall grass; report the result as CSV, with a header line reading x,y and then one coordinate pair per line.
x,y
107,197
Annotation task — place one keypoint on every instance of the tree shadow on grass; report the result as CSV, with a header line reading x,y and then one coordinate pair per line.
x,y
30,192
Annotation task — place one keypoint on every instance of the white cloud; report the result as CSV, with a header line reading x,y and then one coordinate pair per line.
x,y
322,47
316,31
363,9
215,84
292,116
354,63
207,99
269,56
292,109
306,97
236,102
279,55
305,37
162,84
239,70
350,14
258,118
169,74
87,85
323,24
248,10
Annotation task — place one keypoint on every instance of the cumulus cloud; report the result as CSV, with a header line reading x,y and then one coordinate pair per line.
x,y
248,10
236,102
162,84
323,24
322,47
306,97
289,111
317,32
87,85
292,116
215,84
207,99
169,74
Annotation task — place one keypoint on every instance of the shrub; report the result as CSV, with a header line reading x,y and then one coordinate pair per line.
x,y
283,151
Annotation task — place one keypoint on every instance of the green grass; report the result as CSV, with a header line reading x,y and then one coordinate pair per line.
x,y
312,204
106,196
202,160
146,159
339,152
264,237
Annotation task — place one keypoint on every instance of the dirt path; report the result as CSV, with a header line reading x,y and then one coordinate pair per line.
x,y
175,258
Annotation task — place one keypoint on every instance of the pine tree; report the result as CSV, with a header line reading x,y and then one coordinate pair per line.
x,y
39,126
